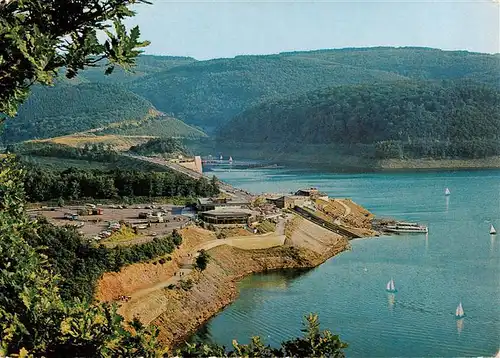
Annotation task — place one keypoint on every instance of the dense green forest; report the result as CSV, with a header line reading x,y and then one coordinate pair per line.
x,y
46,155
209,93
160,146
66,109
145,65
387,120
73,184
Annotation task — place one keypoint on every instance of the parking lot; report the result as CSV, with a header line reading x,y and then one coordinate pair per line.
x,y
93,226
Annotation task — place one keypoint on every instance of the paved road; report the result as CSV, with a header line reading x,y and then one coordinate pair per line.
x,y
224,187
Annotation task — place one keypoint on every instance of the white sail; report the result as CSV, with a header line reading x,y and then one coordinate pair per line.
x,y
447,191
220,157
390,286
230,159
492,230
459,312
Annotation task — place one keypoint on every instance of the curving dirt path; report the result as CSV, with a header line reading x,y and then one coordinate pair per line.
x,y
347,209
264,241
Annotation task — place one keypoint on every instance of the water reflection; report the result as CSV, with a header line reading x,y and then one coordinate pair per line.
x,y
278,280
492,243
426,242
447,203
391,300
460,325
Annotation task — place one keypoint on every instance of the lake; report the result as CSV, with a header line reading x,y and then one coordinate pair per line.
x,y
457,261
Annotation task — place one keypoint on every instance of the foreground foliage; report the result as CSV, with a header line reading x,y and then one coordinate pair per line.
x,y
44,269
34,319
313,343
40,37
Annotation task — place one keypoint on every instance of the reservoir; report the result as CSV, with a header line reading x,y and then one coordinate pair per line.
x,y
458,261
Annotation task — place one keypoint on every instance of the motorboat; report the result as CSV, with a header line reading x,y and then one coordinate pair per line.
x,y
406,227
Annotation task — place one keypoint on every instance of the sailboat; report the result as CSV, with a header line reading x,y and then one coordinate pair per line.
x,y
459,312
492,230
230,160
390,286
447,192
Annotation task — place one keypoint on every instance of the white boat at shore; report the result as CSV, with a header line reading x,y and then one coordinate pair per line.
x,y
459,312
492,230
406,227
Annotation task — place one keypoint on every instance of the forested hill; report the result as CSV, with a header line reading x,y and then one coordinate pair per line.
x,y
208,93
388,120
145,65
66,109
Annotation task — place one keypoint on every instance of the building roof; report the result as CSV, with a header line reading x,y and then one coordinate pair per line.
x,y
220,212
234,201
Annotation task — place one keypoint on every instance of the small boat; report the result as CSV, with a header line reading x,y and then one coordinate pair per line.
x,y
390,286
447,192
492,230
459,312
405,227
230,160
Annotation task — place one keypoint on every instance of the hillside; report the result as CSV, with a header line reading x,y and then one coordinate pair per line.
x,y
145,65
208,93
158,126
392,120
66,109
415,62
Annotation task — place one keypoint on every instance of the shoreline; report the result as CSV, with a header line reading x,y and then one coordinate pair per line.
x,y
178,343
177,312
180,310
221,284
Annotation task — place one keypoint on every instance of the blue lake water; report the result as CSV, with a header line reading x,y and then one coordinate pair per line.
x,y
457,261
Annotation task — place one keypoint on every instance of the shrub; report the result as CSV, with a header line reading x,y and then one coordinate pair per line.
x,y
202,260
186,285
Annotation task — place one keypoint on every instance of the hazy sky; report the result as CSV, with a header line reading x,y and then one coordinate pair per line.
x,y
212,29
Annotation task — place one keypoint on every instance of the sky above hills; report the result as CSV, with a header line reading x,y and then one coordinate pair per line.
x,y
211,29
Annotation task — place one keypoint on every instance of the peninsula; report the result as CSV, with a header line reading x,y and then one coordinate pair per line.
x,y
242,234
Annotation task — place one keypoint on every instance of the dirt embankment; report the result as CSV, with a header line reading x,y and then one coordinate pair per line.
x,y
178,312
142,275
185,311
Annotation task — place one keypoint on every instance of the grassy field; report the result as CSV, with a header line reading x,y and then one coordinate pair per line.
x,y
160,126
64,163
119,142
